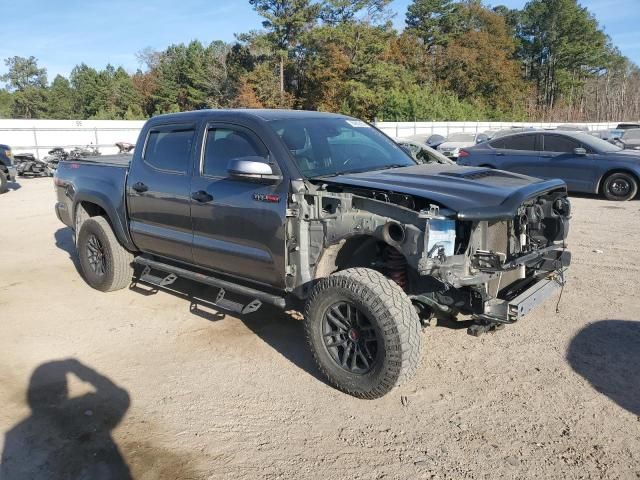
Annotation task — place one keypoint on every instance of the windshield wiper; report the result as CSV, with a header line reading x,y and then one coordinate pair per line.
x,y
388,167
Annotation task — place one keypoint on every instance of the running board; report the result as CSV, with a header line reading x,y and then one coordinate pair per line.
x,y
173,273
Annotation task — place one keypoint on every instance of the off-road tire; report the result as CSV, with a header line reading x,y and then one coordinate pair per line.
x,y
118,268
3,183
627,179
389,311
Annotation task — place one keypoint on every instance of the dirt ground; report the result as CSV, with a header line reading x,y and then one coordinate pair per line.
x,y
142,381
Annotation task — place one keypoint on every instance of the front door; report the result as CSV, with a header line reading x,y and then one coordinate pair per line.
x,y
238,225
562,162
159,193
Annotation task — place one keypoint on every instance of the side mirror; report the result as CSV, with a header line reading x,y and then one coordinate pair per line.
x,y
252,168
580,151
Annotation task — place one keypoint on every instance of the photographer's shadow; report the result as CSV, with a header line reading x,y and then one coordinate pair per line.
x,y
67,437
607,354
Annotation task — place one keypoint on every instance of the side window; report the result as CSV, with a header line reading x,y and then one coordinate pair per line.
x,y
556,143
520,142
226,144
497,143
169,149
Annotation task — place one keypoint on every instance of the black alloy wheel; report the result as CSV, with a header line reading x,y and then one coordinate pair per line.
x,y
95,256
350,338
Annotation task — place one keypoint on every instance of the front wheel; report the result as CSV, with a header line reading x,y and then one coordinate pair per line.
x,y
620,187
106,265
363,332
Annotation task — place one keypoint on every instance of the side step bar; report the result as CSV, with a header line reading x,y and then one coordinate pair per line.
x,y
224,285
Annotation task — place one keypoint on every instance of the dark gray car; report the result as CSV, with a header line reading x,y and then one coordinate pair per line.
x,y
7,168
586,163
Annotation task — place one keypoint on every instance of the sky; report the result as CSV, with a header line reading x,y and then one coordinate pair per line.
x,y
64,33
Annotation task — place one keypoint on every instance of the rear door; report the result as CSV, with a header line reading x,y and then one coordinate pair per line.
x,y
518,153
560,161
238,224
159,193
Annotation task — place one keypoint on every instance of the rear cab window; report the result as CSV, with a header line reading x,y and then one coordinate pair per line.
x,y
168,148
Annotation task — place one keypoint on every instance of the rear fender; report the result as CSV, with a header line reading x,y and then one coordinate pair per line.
x,y
116,219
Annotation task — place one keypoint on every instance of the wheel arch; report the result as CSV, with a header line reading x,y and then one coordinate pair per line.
x,y
343,253
610,172
94,204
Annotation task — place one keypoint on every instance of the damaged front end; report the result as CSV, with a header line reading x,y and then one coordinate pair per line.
x,y
494,264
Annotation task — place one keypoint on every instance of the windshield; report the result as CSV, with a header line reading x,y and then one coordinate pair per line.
x,y
331,146
461,137
597,144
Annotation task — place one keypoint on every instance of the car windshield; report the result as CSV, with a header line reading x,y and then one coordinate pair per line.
x,y
597,144
461,137
332,146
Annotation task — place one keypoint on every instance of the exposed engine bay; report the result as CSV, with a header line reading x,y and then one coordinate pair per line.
x,y
445,262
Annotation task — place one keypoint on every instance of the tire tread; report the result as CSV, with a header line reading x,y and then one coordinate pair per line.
x,y
396,317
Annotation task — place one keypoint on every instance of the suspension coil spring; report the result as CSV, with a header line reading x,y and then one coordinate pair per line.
x,y
396,266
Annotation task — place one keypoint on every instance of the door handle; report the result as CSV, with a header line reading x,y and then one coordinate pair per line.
x,y
201,196
140,187
499,154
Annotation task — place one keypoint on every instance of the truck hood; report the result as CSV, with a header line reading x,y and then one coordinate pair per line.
x,y
473,193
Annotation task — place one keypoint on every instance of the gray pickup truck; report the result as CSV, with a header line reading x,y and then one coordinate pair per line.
x,y
326,214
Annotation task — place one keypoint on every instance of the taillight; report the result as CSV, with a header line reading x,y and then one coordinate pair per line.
x,y
463,153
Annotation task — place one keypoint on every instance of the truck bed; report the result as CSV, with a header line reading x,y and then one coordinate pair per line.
x,y
118,159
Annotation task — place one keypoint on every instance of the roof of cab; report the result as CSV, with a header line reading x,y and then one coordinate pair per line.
x,y
263,114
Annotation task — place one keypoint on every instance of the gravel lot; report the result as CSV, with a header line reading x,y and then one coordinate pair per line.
x,y
162,390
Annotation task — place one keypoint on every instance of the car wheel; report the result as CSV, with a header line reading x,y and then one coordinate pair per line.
x,y
105,264
620,187
3,183
363,331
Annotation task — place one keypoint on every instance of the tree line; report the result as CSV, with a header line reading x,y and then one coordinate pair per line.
x,y
454,60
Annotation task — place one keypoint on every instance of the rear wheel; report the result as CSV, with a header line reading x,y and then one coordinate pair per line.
x,y
3,183
363,332
620,187
106,265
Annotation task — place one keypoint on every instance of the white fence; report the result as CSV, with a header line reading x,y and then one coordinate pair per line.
x,y
40,136
407,129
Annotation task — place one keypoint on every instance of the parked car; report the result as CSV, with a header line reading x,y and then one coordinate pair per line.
x,y
423,153
324,211
610,135
586,163
629,140
572,127
627,126
454,142
7,168
429,139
